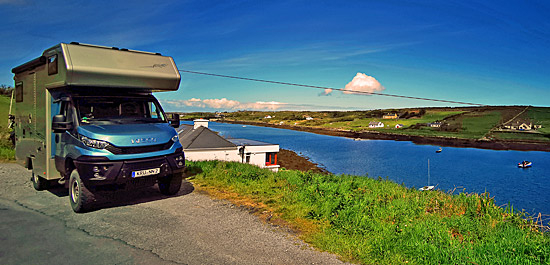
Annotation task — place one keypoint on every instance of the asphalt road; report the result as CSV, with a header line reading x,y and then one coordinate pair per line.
x,y
140,227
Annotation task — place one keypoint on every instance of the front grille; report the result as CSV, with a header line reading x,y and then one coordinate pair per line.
x,y
139,149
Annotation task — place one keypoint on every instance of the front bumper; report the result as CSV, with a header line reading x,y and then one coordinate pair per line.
x,y
96,171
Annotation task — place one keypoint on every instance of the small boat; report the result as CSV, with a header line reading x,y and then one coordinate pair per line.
x,y
439,151
428,187
244,126
525,164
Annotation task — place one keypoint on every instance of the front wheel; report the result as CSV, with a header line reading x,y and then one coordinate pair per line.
x,y
170,184
81,197
38,182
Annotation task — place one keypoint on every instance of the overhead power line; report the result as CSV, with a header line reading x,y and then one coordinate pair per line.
x,y
337,89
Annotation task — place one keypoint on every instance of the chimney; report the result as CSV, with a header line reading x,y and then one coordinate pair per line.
x,y
200,122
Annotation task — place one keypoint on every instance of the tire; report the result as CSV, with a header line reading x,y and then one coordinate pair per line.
x,y
80,197
38,182
170,184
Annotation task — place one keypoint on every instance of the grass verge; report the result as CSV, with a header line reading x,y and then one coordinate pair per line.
x,y
7,153
378,221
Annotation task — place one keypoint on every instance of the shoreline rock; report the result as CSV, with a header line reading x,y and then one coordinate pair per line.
x,y
293,161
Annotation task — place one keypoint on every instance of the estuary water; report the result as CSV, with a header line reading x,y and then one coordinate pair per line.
x,y
463,169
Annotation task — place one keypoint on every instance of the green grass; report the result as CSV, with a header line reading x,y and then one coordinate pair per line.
x,y
6,149
522,136
380,222
540,116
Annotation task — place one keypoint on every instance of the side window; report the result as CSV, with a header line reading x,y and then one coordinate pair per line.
x,y
270,159
19,92
155,112
52,65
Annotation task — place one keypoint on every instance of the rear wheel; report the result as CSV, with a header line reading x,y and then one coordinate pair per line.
x,y
81,197
170,184
38,182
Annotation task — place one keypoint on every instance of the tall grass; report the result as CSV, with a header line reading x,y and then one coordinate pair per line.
x,y
6,149
380,222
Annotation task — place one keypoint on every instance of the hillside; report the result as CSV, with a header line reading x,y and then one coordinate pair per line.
x,y
492,127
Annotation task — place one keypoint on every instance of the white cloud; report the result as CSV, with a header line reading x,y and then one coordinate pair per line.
x,y
362,84
224,104
327,92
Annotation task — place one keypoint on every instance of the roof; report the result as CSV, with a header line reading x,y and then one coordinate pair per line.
x,y
374,122
247,142
88,65
202,138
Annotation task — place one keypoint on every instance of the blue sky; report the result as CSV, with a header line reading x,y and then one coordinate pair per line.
x,y
488,52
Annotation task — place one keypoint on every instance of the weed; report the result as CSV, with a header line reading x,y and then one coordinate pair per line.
x,y
381,222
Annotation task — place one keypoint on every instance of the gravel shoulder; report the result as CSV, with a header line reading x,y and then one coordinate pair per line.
x,y
139,227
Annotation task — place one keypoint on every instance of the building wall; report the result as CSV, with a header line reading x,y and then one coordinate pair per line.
x,y
258,155
204,155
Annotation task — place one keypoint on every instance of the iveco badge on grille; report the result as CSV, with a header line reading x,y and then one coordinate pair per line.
x,y
144,140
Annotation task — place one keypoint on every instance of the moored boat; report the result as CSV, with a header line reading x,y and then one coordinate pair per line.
x,y
525,164
427,188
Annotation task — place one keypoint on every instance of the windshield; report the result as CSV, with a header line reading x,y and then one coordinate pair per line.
x,y
118,110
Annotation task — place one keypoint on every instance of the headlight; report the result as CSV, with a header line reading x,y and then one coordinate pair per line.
x,y
98,144
175,139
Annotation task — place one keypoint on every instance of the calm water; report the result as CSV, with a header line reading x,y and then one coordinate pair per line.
x,y
469,169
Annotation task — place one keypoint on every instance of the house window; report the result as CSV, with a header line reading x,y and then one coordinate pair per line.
x,y
52,65
19,92
247,158
270,159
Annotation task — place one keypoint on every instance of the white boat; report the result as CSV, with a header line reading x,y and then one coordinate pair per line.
x,y
428,187
439,151
525,164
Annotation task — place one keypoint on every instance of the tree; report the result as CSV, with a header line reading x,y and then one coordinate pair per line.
x,y
5,90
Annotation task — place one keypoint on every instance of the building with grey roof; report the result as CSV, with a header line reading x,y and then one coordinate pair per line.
x,y
200,144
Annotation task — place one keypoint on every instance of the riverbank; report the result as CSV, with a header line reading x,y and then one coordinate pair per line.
x,y
376,221
290,160
426,140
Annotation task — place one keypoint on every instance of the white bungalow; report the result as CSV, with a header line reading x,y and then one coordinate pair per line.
x,y
376,124
201,144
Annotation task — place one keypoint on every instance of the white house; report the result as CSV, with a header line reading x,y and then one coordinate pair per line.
x,y
397,126
435,124
201,144
376,124
258,153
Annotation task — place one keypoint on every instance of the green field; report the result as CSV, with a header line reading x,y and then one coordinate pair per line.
x,y
541,116
464,123
378,221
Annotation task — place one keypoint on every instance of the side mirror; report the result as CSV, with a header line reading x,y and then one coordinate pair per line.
x,y
59,124
174,119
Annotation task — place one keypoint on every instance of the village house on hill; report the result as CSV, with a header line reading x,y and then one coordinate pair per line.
x,y
436,124
521,125
202,144
390,116
376,124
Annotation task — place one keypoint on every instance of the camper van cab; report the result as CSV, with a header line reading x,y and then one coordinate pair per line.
x,y
85,117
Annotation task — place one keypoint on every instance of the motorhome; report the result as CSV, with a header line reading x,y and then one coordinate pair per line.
x,y
86,117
